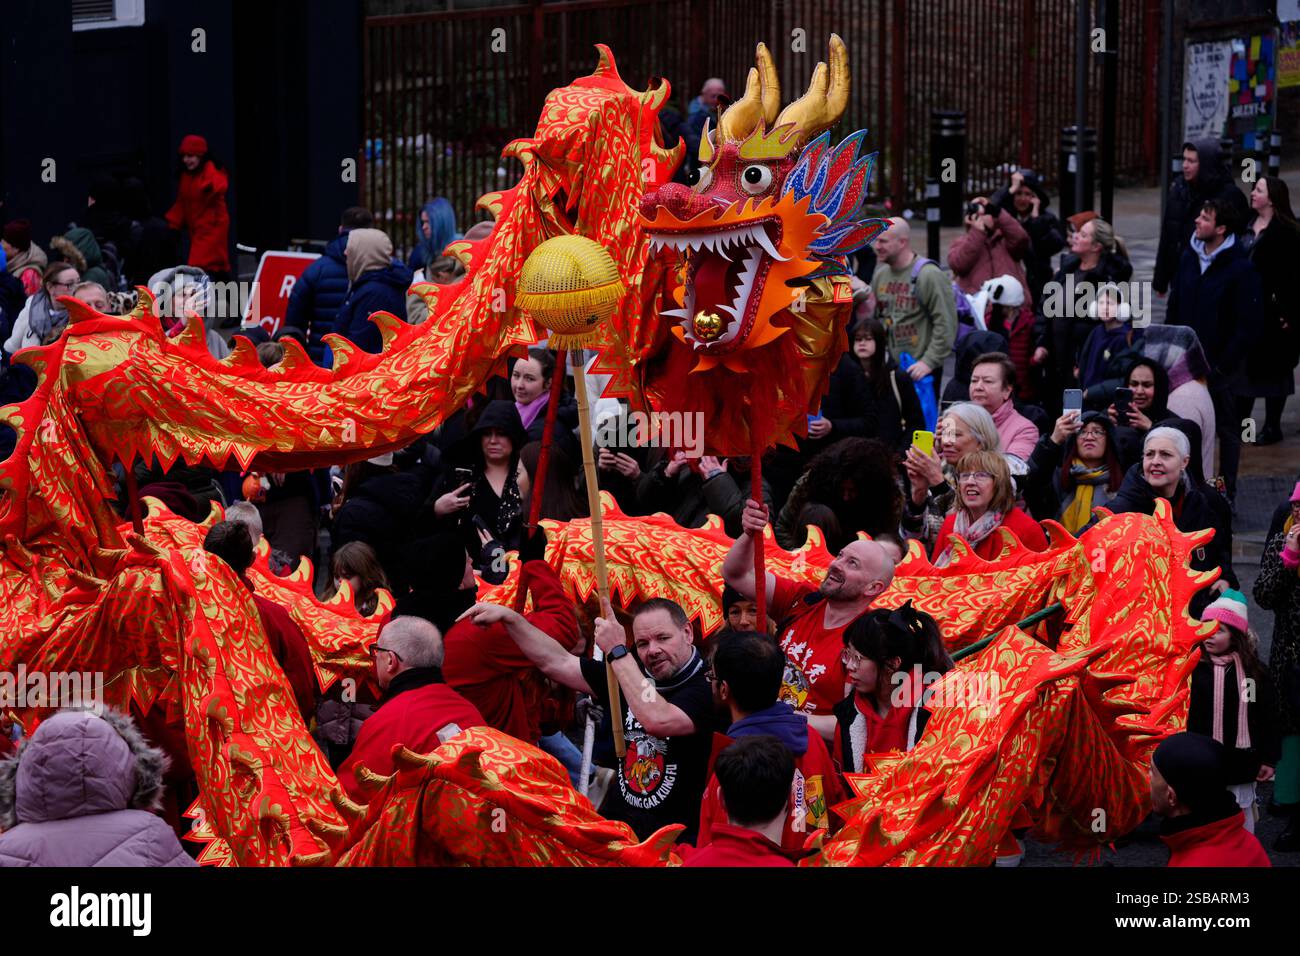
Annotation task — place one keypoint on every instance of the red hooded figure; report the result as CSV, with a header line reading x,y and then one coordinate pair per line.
x,y
200,208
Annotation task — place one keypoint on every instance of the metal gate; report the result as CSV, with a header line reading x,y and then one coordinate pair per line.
x,y
445,91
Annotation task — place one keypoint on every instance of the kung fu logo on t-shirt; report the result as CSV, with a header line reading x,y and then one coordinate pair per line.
x,y
645,776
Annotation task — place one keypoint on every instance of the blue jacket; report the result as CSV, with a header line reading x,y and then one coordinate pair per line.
x,y
383,290
1224,305
317,295
780,721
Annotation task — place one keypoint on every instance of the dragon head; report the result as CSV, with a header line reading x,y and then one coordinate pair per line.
x,y
769,211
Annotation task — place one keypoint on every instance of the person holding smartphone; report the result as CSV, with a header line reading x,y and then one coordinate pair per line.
x,y
1074,469
492,485
1141,403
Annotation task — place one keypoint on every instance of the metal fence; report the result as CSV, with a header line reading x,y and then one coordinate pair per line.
x,y
444,92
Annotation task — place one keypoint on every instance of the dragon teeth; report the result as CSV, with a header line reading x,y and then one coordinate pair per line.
x,y
760,236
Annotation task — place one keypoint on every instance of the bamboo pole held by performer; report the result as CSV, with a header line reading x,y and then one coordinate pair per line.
x,y
577,357
760,560
133,499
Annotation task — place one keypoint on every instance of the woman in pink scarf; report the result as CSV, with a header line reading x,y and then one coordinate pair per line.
x,y
1232,700
530,384
986,501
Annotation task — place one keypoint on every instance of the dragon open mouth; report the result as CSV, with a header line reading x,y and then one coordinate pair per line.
x,y
724,282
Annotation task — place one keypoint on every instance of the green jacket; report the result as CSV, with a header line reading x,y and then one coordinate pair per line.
x,y
920,319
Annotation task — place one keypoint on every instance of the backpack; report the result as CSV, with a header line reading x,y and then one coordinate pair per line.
x,y
965,314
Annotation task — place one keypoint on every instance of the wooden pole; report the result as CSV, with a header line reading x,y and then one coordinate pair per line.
x,y
597,532
760,562
133,499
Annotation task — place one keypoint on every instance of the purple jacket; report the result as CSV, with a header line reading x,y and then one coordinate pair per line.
x,y
78,793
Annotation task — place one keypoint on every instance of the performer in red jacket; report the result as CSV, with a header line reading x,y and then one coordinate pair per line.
x,y
1203,825
747,676
418,711
755,774
487,666
200,208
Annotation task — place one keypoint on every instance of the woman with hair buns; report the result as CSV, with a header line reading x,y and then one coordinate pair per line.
x,y
889,658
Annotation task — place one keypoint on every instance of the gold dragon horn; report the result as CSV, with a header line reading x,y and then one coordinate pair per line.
x,y
743,116
828,95
769,84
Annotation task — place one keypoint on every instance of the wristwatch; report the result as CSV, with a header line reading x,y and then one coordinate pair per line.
x,y
617,653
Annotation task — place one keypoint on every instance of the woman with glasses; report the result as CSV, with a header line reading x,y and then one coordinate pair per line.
x,y
890,658
986,501
1073,470
44,318
964,428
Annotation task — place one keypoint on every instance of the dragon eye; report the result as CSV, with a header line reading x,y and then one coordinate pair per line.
x,y
699,178
755,179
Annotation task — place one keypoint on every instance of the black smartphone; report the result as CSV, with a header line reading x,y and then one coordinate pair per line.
x,y
481,525
1123,401
464,476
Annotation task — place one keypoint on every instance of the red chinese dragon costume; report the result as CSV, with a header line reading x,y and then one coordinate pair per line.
x,y
761,297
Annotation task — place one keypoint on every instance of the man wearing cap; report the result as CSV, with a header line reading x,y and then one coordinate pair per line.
x,y
1203,825
200,208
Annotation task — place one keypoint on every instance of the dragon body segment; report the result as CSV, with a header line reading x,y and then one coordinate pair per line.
x,y
763,298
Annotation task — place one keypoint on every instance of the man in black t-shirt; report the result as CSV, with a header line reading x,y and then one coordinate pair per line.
x,y
667,707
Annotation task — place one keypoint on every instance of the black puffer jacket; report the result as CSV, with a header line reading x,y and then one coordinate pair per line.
x,y
1194,510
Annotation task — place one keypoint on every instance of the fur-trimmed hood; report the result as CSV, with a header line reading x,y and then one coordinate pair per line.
x,y
79,247
78,763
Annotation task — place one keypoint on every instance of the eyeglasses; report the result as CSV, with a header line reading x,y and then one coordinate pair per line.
x,y
851,659
1092,433
63,285
974,476
376,649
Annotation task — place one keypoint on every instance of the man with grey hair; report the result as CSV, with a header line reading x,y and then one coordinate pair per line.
x,y
914,303
707,101
246,513
418,710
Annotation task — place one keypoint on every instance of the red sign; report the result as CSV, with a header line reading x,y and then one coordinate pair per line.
x,y
276,274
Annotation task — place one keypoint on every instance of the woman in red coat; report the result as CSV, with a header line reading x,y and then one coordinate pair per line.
x,y
986,501
200,208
